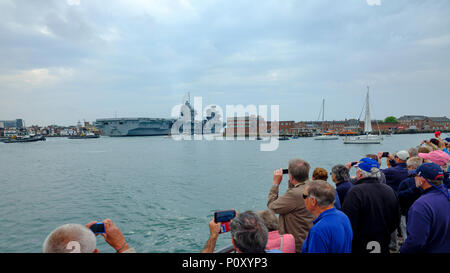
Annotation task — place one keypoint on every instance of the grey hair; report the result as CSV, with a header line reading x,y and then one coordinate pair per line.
x,y
270,219
413,152
322,191
414,162
299,169
70,238
374,173
341,172
249,232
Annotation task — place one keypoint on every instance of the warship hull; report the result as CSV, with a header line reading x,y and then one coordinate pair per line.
x,y
121,127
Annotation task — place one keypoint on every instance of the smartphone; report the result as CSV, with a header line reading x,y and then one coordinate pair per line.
x,y
224,217
354,163
385,154
285,171
98,228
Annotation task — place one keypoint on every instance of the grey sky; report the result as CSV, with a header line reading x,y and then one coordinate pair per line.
x,y
69,60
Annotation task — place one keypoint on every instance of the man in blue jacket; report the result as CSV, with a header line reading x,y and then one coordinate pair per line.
x,y
399,170
429,217
394,176
332,230
408,193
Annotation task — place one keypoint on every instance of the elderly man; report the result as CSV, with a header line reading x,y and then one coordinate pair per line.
x,y
294,218
429,217
372,208
399,171
408,193
332,231
248,234
76,238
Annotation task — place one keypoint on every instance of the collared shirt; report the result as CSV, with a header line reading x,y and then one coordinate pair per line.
x,y
331,233
428,223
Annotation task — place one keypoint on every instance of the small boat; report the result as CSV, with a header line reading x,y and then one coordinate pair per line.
x,y
364,139
367,138
84,136
283,138
326,137
26,138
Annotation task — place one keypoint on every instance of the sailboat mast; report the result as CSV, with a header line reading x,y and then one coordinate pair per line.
x,y
323,116
367,121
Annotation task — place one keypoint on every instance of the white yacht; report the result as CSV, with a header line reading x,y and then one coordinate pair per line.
x,y
368,138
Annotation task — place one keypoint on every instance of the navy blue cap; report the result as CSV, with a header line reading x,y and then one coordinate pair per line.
x,y
430,171
447,139
366,164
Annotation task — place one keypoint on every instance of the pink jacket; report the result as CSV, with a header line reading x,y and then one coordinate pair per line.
x,y
285,243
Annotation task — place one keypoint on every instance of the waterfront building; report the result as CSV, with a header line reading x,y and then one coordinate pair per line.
x,y
247,126
424,123
18,123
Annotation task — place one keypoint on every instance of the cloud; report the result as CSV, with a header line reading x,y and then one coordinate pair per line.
x,y
73,2
440,41
140,57
373,2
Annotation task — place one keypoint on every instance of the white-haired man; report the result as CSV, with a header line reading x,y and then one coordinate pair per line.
x,y
76,238
372,208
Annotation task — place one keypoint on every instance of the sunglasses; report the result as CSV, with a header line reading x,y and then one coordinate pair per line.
x,y
305,196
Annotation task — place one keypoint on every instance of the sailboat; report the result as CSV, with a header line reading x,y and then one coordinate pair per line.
x,y
325,136
367,138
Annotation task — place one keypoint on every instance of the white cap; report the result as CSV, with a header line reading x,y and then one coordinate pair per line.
x,y
403,155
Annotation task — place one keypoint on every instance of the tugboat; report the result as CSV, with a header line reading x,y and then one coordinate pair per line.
x,y
25,138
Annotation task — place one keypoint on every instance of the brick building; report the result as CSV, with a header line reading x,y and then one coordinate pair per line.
x,y
246,126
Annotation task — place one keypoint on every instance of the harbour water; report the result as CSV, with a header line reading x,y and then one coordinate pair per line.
x,y
160,192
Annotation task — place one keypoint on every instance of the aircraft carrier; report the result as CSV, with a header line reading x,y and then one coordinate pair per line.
x,y
135,126
117,127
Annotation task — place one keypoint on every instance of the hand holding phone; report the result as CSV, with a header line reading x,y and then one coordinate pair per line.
x,y
385,154
278,176
285,171
224,217
98,228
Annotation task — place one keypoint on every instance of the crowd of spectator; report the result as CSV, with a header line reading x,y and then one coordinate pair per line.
x,y
402,208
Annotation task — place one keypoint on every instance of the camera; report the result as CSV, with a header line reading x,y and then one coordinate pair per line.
x,y
98,228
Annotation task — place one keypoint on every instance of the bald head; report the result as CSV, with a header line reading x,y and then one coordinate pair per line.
x,y
70,238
